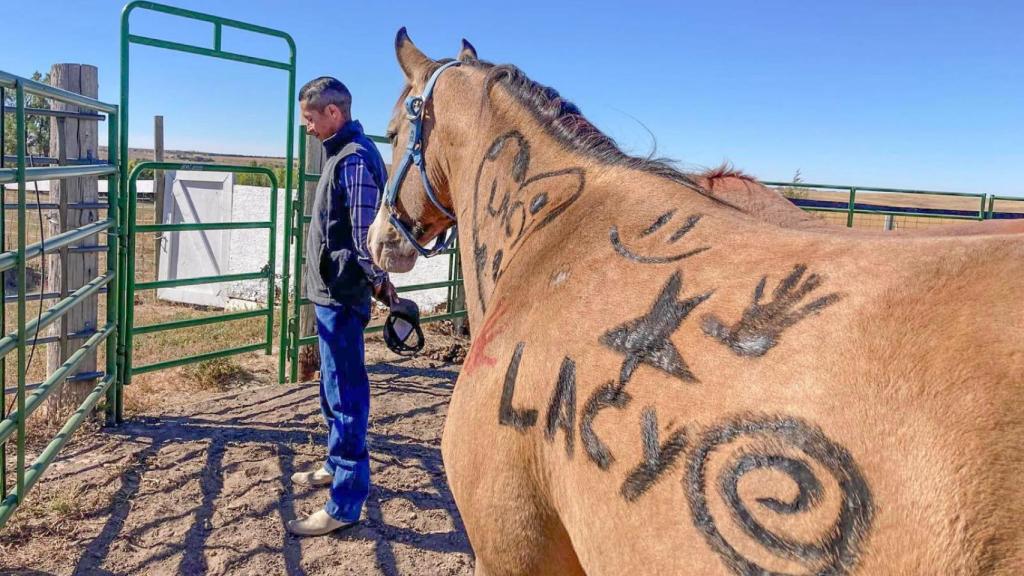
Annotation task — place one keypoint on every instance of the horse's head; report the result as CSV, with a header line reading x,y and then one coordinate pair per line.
x,y
417,206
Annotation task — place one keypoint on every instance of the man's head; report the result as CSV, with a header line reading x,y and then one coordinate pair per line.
x,y
325,104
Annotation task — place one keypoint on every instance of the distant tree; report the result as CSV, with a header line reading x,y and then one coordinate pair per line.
x,y
36,127
146,174
795,192
247,179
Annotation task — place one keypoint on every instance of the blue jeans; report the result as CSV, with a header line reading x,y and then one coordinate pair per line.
x,y
345,403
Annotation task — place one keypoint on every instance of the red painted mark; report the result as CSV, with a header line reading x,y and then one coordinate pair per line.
x,y
478,352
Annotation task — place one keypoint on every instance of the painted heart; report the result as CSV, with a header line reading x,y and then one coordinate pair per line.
x,y
510,204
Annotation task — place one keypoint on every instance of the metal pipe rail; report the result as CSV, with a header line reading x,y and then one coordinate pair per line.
x,y
8,175
218,24
50,160
215,279
41,463
8,80
193,322
198,358
37,296
80,377
7,426
62,114
55,206
9,260
73,336
147,41
57,311
872,189
992,199
851,205
200,226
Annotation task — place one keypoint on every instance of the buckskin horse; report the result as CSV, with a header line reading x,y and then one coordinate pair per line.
x,y
663,383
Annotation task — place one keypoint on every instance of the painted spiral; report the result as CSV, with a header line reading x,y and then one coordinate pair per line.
x,y
799,451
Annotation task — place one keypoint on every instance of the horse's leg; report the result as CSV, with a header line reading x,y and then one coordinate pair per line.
x,y
512,529
512,537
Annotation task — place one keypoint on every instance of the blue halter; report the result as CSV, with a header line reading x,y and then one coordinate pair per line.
x,y
414,106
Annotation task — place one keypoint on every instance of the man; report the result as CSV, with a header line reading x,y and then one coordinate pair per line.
x,y
340,276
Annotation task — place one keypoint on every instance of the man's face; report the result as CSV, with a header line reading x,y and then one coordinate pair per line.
x,y
321,123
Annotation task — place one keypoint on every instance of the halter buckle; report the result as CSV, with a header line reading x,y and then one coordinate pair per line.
x,y
413,107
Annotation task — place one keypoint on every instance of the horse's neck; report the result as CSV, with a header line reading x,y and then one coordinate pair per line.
x,y
520,186
514,184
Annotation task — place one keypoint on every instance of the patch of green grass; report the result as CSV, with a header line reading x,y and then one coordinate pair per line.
x,y
217,374
64,504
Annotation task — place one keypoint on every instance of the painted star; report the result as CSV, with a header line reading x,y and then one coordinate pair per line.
x,y
647,340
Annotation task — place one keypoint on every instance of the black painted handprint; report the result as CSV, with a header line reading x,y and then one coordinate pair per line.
x,y
762,323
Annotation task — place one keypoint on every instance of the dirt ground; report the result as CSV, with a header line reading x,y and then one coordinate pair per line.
x,y
199,484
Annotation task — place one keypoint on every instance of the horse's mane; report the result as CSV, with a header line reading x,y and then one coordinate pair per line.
x,y
723,171
564,121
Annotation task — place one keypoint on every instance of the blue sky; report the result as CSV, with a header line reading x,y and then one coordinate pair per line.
x,y
923,94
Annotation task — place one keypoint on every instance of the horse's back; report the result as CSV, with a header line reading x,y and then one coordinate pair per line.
x,y
877,434
890,447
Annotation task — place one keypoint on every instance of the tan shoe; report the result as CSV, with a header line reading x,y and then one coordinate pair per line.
x,y
318,477
317,524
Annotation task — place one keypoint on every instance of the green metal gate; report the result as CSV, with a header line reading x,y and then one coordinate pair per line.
x,y
132,286
128,284
13,422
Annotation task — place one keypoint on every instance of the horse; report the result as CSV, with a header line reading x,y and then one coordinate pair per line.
x,y
661,382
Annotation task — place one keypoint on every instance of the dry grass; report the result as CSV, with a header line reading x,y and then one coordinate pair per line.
x,y
878,221
880,199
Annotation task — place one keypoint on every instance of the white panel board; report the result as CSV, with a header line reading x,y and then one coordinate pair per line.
x,y
196,197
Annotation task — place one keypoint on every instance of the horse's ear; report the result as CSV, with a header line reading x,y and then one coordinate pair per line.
x,y
413,62
468,52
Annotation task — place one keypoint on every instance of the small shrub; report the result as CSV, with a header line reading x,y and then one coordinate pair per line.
x,y
218,373
64,504
794,192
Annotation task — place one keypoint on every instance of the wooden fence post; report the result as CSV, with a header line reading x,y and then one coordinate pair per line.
x,y
309,356
460,325
73,139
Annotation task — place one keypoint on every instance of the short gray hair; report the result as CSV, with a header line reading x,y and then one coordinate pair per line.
x,y
325,90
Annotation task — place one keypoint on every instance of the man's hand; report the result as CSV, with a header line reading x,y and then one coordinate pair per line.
x,y
385,292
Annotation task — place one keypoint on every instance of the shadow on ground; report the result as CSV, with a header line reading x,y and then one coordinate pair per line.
x,y
204,489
